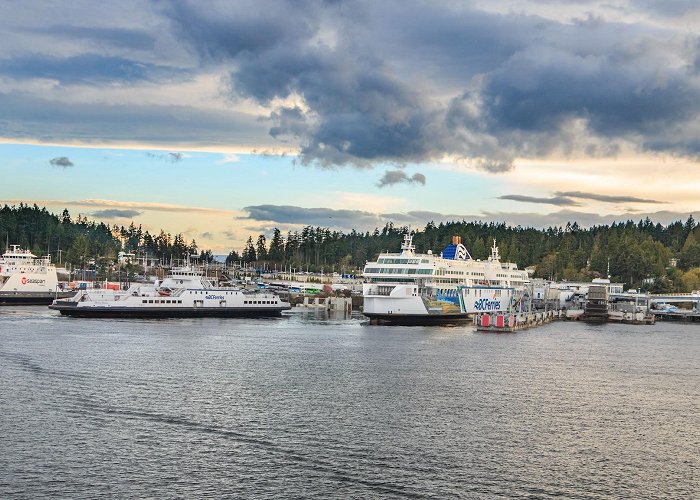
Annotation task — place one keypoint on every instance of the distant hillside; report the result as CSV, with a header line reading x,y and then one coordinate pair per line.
x,y
643,254
640,254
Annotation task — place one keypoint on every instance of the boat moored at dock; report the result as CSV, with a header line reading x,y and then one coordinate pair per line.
x,y
422,289
184,293
27,279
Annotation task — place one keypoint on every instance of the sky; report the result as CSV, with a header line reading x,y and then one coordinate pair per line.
x,y
222,120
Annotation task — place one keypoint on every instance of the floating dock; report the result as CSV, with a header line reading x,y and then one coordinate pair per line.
x,y
330,304
508,323
683,315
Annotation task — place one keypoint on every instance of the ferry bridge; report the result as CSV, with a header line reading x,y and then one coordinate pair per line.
x,y
675,298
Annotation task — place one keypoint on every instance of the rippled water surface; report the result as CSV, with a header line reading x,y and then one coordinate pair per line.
x,y
306,407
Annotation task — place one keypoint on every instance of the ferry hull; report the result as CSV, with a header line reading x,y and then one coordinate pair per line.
x,y
417,319
166,312
31,299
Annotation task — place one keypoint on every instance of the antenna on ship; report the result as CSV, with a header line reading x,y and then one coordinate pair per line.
x,y
494,251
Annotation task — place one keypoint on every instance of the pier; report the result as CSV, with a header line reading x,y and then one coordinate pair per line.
x,y
665,313
685,315
329,304
509,323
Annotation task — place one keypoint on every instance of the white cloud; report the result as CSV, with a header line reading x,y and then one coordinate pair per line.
x,y
230,158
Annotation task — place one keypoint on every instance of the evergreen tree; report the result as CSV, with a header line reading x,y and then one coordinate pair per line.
x,y
261,248
276,253
233,258
249,251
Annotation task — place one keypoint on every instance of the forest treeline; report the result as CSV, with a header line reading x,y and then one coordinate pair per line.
x,y
642,254
77,242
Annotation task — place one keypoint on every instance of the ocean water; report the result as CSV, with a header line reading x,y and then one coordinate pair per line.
x,y
309,407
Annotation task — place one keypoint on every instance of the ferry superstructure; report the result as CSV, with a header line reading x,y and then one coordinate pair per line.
x,y
28,279
185,292
412,288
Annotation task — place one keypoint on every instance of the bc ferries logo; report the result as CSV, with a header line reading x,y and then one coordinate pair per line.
x,y
487,305
220,297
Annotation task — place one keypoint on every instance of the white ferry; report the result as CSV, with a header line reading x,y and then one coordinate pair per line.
x,y
185,292
28,279
411,288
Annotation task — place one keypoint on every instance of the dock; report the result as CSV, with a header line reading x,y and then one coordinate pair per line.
x,y
330,304
684,315
509,323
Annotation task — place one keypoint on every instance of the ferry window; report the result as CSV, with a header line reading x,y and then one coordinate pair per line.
x,y
144,301
150,302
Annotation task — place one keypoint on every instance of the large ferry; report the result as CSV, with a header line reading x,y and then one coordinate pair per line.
x,y
28,279
410,288
185,292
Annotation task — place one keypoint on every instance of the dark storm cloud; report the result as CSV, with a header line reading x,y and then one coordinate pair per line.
x,y
114,37
61,161
561,199
367,221
116,213
391,177
669,8
361,83
324,217
618,93
229,29
358,111
85,68
584,219
23,116
517,80
604,198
